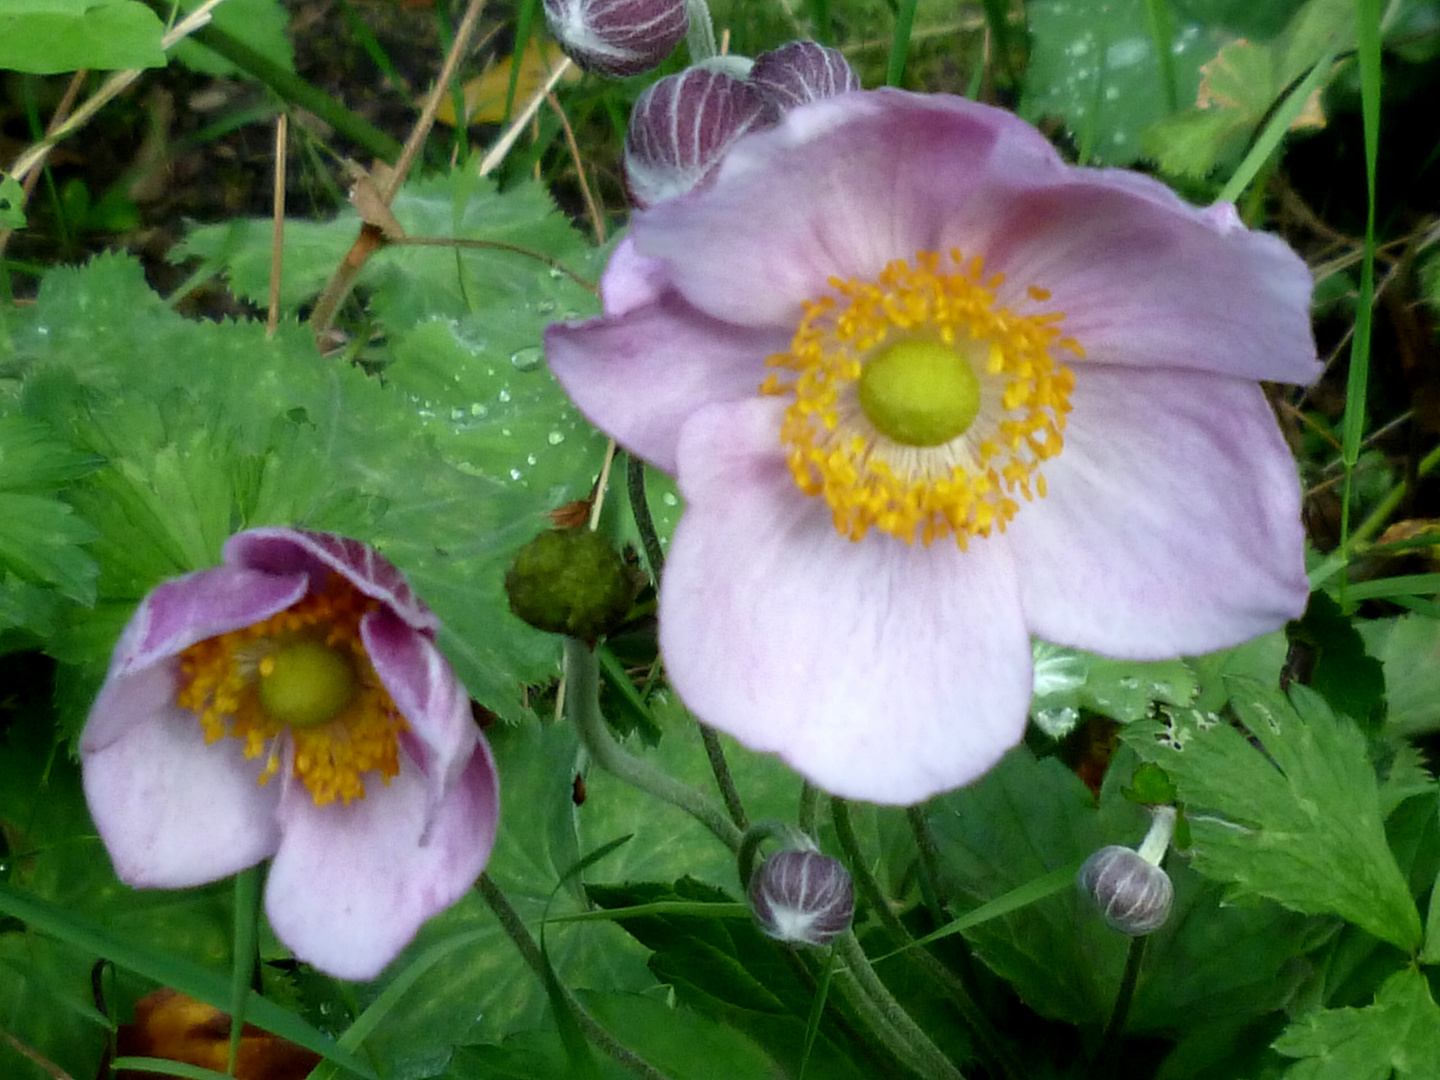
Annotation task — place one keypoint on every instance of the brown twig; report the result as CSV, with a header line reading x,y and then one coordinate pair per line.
x,y
46,1065
33,177
370,239
597,219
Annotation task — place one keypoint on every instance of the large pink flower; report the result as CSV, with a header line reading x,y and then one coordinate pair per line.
x,y
927,391
292,704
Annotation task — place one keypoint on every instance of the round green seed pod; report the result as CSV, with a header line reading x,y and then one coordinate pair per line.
x,y
571,581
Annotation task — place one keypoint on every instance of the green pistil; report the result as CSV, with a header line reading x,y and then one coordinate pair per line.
x,y
920,393
306,683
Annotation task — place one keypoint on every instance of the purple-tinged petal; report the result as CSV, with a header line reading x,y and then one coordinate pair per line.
x,y
1172,524
350,885
290,551
1146,280
172,811
799,72
640,376
840,187
442,733
631,280
877,670
178,613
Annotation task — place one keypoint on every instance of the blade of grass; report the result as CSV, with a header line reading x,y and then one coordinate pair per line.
x,y
900,44
1367,24
242,971
1279,123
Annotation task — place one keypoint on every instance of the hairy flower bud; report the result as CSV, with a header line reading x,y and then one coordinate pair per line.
x,y
802,71
682,126
802,897
570,581
1133,895
617,37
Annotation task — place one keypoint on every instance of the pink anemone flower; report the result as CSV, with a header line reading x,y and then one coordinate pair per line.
x,y
928,391
305,659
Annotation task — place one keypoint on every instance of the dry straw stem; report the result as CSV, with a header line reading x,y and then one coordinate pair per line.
x,y
277,235
371,238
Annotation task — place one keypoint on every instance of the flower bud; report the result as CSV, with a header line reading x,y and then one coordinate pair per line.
x,y
802,897
802,71
681,128
570,581
1134,895
617,37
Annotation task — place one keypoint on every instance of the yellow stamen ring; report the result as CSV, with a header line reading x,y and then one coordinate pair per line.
x,y
958,474
340,730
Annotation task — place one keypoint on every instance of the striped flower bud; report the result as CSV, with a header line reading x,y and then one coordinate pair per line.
x,y
800,72
802,898
617,37
1133,894
681,128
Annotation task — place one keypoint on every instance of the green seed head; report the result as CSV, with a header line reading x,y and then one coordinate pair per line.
x,y
920,393
306,683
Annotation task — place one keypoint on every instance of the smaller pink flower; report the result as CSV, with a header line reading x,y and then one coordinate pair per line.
x,y
305,659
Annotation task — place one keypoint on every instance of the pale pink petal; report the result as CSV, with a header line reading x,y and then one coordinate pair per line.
x,y
350,885
172,811
893,174
178,613
878,670
639,376
631,280
1145,279
442,733
291,551
1172,524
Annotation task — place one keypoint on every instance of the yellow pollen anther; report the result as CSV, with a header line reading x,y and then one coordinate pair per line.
x,y
920,406
301,675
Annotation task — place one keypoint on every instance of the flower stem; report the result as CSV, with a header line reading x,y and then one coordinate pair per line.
x,y
887,1018
809,813
582,675
1107,1059
515,929
988,1041
655,556
931,885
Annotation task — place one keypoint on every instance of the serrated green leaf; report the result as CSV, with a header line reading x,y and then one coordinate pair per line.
x,y
1398,1036
1067,680
40,542
46,37
1408,648
1298,822
1343,673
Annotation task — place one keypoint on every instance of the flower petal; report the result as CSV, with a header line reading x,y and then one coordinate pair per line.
x,y
1145,279
291,551
640,376
351,885
878,670
1172,524
841,187
172,811
178,613
442,733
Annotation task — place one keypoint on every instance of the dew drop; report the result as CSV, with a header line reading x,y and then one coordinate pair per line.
x,y
546,307
555,438
478,410
669,499
529,459
515,474
528,358
503,396
1129,682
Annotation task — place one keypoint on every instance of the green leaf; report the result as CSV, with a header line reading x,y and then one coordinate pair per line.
x,y
1343,673
1095,68
12,203
1299,821
46,37
40,536
680,1042
726,969
1067,681
1398,1036
1408,648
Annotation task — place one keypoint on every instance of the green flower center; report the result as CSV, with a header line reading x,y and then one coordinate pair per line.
x,y
919,393
306,683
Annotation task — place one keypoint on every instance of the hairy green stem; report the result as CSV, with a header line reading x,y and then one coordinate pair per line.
x,y
988,1041
887,1017
582,705
931,884
517,932
700,38
809,814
